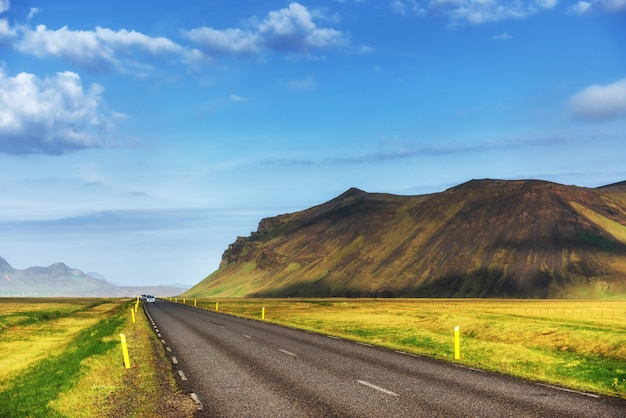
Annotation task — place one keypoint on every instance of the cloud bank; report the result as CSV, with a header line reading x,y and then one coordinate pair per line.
x,y
290,30
473,11
54,115
102,49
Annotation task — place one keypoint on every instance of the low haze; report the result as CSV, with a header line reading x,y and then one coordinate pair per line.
x,y
138,139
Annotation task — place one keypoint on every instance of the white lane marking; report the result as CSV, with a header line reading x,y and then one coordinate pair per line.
x,y
182,375
365,344
289,353
569,390
404,353
333,337
163,341
196,399
378,388
246,336
169,350
174,360
158,335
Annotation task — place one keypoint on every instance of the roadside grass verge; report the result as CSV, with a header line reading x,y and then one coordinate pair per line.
x,y
30,393
575,344
81,371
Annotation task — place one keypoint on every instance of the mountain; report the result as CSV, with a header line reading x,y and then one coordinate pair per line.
x,y
61,280
483,238
54,280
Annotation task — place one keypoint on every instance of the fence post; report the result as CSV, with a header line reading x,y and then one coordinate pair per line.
x,y
457,344
125,351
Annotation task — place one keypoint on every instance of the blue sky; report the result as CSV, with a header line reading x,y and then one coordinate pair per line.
x,y
138,139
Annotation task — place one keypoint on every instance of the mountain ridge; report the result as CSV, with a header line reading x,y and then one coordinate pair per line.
x,y
481,238
60,280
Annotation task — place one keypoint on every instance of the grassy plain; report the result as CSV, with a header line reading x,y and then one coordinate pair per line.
x,y
62,358
575,344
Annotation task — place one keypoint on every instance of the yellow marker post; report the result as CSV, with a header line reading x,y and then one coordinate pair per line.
x,y
457,344
132,314
136,306
125,351
217,305
263,312
176,300
194,303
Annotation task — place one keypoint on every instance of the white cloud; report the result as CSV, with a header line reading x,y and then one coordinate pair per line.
x,y
600,103
407,8
229,41
5,30
581,7
33,11
54,115
100,50
474,11
289,30
610,6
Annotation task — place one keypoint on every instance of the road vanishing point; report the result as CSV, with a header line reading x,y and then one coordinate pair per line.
x,y
237,367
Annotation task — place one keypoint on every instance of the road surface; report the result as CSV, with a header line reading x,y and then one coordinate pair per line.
x,y
236,367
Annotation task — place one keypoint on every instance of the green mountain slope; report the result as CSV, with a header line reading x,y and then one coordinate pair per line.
x,y
483,238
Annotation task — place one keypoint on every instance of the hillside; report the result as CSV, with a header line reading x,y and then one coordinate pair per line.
x,y
483,238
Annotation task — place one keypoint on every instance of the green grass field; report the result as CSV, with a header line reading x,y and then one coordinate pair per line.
x,y
576,344
63,358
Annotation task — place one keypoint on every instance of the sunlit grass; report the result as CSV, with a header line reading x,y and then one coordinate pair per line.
x,y
39,329
70,364
579,344
30,392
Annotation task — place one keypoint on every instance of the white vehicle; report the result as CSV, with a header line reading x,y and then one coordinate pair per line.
x,y
150,299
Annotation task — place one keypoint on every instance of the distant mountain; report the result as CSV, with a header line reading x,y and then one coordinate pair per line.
x,y
61,280
483,238
54,280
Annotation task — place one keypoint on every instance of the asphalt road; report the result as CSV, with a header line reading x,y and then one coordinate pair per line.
x,y
238,367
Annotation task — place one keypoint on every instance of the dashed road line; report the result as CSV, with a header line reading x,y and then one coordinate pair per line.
x,y
333,337
174,360
246,336
169,350
378,388
289,353
182,375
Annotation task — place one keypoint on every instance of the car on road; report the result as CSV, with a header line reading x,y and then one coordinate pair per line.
x,y
150,299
